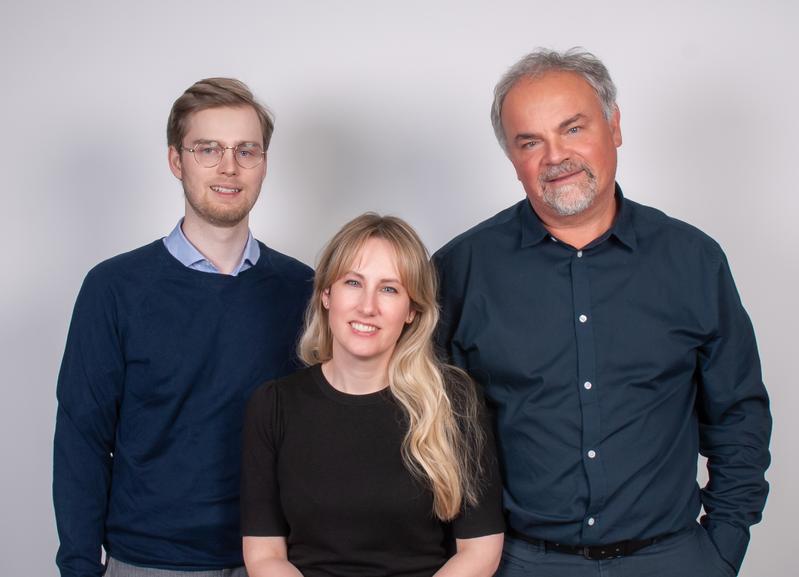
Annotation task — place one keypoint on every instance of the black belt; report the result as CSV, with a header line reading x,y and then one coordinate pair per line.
x,y
592,552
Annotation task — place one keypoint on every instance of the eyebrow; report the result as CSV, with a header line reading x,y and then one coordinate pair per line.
x,y
215,141
382,280
572,120
561,126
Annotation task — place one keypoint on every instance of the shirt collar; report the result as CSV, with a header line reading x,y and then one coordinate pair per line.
x,y
533,230
623,228
181,248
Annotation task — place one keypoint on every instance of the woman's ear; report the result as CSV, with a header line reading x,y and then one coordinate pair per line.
x,y
326,298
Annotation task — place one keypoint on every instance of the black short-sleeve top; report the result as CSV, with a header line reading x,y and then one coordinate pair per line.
x,y
324,469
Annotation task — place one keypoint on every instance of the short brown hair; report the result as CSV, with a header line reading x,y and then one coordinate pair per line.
x,y
214,93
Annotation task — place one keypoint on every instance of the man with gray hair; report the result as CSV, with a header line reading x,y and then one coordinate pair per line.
x,y
612,345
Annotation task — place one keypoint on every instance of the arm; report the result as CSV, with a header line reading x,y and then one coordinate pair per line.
x,y
262,521
735,424
450,300
267,557
89,389
478,557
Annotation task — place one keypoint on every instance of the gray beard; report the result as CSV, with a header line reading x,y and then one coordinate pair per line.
x,y
568,199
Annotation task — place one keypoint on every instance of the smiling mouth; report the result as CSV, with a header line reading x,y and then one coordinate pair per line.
x,y
563,177
362,328
225,189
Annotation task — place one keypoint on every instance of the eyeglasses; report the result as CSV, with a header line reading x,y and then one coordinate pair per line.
x,y
209,154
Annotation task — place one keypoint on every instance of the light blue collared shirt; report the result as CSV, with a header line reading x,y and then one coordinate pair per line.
x,y
179,246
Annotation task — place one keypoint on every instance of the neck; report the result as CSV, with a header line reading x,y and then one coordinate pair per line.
x,y
356,378
222,246
580,229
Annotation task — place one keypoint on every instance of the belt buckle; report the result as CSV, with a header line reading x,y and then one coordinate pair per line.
x,y
599,552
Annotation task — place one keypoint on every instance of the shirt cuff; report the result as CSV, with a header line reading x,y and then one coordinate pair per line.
x,y
730,541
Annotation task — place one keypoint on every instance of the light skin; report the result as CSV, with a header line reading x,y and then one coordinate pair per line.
x,y
368,307
564,152
219,199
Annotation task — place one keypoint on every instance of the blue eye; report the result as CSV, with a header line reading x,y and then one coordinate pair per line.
x,y
351,282
389,289
574,129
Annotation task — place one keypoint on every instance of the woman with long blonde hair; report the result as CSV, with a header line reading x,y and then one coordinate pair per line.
x,y
376,459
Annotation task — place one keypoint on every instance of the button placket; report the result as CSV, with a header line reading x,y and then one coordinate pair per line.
x,y
589,402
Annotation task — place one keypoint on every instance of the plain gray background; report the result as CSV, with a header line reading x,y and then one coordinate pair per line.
x,y
380,106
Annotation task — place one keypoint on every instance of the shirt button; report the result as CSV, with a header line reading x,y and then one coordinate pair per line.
x,y
587,385
591,454
579,254
582,318
591,521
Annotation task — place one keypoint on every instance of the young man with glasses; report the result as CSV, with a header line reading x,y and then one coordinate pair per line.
x,y
165,345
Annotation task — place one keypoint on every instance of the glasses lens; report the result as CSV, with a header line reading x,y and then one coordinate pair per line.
x,y
208,155
249,154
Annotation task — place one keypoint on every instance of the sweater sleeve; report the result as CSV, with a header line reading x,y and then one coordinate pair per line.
x,y
89,389
261,510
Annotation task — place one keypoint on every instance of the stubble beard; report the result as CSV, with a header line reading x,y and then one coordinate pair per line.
x,y
571,198
218,215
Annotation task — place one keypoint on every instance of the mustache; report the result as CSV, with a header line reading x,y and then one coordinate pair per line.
x,y
564,168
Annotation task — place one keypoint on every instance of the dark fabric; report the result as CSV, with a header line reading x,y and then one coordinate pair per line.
x,y
609,369
159,362
323,468
689,553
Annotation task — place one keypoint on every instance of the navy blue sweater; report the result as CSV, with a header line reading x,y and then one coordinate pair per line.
x,y
159,362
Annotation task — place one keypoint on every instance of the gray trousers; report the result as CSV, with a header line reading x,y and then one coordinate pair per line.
x,y
117,568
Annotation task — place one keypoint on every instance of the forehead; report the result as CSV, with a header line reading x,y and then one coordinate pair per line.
x,y
225,124
376,255
551,97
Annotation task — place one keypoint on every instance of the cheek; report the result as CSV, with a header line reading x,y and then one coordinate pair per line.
x,y
527,170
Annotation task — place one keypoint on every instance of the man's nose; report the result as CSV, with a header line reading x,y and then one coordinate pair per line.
x,y
555,152
227,164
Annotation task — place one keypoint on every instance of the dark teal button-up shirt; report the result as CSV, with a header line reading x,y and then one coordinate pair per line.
x,y
609,369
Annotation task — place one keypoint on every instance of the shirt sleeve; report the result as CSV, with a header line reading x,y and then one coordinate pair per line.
x,y
89,389
734,421
486,517
450,303
261,511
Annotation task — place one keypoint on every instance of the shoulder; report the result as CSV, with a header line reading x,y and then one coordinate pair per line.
x,y
504,224
657,230
288,267
122,271
285,389
144,257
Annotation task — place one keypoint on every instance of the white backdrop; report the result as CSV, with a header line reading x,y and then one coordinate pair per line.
x,y
380,106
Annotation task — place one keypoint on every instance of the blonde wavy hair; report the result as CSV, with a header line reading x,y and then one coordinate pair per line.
x,y
444,442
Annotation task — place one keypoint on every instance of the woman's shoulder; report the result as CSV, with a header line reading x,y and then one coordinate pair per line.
x,y
286,388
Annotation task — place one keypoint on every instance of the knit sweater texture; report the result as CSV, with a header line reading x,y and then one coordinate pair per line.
x,y
159,362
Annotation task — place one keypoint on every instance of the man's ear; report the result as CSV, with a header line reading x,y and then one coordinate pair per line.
x,y
175,162
615,126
